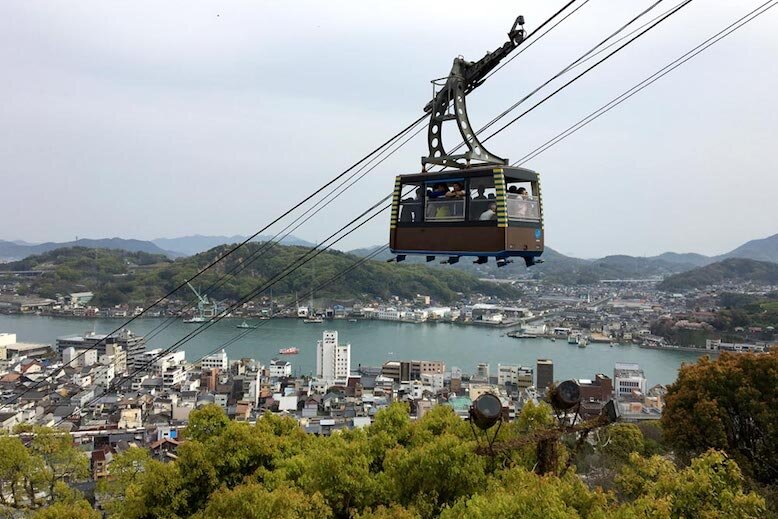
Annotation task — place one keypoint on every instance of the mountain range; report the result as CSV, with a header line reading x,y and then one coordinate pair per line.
x,y
170,247
17,250
557,267
560,268
190,245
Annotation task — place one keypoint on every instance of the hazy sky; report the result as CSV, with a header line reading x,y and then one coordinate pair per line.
x,y
149,119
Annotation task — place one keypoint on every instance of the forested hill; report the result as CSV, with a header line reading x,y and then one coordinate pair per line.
x,y
137,278
728,270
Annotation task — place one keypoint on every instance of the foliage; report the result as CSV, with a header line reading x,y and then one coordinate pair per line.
x,y
253,501
729,404
61,460
206,422
427,468
712,486
728,270
68,510
137,278
747,310
621,440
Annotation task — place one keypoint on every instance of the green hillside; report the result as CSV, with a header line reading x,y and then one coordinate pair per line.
x,y
138,278
728,270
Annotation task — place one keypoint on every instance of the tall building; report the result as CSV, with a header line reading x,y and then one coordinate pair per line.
x,y
216,360
545,373
407,370
628,378
482,370
333,360
134,345
515,375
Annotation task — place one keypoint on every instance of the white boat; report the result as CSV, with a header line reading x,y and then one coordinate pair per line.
x,y
313,320
352,320
573,338
246,326
289,351
195,320
582,342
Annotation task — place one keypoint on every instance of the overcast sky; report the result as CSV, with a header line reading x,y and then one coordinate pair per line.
x,y
150,119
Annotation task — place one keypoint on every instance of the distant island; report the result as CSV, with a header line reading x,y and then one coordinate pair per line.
x,y
121,277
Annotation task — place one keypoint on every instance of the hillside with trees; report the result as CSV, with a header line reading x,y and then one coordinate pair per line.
x,y
138,278
401,469
732,270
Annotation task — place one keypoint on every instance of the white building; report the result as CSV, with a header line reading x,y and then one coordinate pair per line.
x,y
388,314
333,360
627,378
103,375
514,374
216,361
173,376
114,356
74,358
280,369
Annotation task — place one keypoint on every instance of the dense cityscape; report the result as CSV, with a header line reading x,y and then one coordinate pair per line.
x,y
239,280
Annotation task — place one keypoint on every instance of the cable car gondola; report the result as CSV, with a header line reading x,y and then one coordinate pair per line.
x,y
481,207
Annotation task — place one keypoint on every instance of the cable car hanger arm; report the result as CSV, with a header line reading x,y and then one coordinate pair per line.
x,y
465,76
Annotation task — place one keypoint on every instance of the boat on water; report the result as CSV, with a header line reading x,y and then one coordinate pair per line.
x,y
195,320
573,338
582,342
553,339
289,351
246,326
352,320
314,320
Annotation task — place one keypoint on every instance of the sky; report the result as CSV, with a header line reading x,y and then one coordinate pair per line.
x,y
150,119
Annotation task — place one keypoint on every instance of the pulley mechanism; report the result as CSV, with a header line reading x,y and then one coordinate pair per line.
x,y
448,103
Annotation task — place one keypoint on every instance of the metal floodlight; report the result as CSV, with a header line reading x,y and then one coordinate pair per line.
x,y
610,411
485,411
566,395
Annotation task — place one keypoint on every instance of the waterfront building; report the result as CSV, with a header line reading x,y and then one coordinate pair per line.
x,y
134,345
216,360
627,379
545,373
333,360
717,345
482,370
389,314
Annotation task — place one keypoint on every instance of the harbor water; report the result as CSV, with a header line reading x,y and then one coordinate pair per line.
x,y
372,343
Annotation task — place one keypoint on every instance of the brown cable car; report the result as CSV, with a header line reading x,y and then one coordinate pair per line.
x,y
496,213
482,207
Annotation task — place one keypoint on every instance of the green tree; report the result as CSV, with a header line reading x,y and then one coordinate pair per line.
x,y
68,510
14,466
338,468
197,475
729,404
61,460
253,501
434,474
125,469
712,486
521,493
158,492
205,422
619,440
